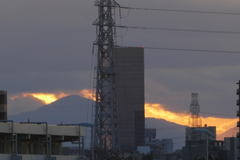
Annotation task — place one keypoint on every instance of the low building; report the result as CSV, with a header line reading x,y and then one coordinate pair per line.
x,y
159,148
167,145
38,140
202,144
192,135
150,135
231,144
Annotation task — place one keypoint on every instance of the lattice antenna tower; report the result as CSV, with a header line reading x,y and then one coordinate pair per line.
x,y
195,120
106,121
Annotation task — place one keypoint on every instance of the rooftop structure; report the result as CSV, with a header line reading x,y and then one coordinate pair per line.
x,y
191,135
198,141
31,140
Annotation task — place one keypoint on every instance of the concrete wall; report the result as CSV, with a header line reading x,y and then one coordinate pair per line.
x,y
41,129
37,139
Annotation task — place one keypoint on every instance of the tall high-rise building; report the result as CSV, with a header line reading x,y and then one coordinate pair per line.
x,y
129,65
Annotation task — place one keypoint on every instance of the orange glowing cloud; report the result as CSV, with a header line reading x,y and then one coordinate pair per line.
x,y
87,93
46,98
158,111
151,110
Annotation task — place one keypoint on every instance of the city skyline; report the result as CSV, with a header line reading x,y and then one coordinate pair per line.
x,y
47,48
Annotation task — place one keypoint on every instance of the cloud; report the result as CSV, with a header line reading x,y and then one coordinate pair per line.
x,y
159,111
216,87
23,104
46,46
19,103
28,101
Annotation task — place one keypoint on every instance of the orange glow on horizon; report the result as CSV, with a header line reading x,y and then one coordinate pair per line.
x,y
87,93
158,111
46,98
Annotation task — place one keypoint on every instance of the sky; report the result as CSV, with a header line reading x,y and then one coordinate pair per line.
x,y
47,47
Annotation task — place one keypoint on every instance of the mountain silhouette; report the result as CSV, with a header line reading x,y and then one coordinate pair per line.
x,y
74,109
229,133
68,110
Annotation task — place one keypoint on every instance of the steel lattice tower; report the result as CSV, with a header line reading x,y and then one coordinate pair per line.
x,y
195,120
106,121
238,114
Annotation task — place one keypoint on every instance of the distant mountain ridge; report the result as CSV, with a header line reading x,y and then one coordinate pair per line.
x,y
70,109
74,109
229,133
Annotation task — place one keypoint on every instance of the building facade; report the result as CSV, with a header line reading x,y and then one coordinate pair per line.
x,y
150,135
192,135
129,64
3,105
231,144
38,140
201,142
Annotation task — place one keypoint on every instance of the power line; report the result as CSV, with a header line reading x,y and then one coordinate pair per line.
x,y
232,116
187,50
178,10
182,30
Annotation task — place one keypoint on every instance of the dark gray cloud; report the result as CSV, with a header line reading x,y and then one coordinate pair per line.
x,y
46,46
171,76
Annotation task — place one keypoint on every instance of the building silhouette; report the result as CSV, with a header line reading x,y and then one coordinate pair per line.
x,y
130,96
3,105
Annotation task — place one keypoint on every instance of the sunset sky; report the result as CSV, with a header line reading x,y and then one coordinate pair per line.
x,y
46,49
157,111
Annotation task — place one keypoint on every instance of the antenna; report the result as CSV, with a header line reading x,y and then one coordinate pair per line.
x,y
195,120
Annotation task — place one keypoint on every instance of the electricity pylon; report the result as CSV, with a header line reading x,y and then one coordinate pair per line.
x,y
106,142
194,119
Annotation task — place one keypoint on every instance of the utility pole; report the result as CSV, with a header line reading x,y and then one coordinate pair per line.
x,y
106,143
